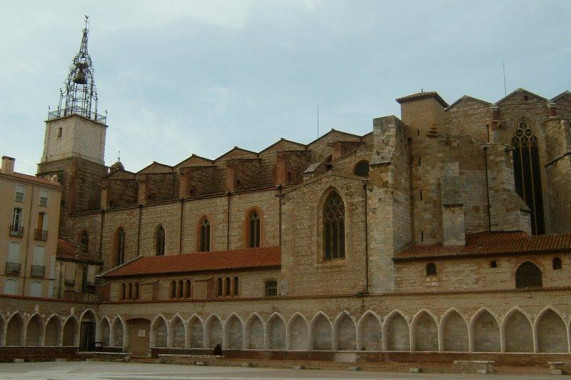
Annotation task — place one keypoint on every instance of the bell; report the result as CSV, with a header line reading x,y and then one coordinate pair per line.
x,y
80,77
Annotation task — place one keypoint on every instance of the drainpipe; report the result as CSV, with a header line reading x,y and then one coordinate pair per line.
x,y
366,241
139,228
487,188
101,234
280,196
229,194
180,232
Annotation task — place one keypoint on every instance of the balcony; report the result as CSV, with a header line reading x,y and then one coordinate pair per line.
x,y
12,268
38,271
16,230
41,235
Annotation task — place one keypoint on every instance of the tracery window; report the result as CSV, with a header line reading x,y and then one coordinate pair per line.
x,y
160,241
84,241
253,229
528,275
527,173
204,235
333,227
120,246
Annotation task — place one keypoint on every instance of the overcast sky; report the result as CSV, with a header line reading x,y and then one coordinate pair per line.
x,y
183,77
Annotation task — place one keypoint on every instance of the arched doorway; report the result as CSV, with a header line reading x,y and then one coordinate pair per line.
x,y
139,331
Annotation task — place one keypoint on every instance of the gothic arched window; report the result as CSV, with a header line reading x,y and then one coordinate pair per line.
x,y
253,229
528,275
333,227
84,241
204,235
160,241
120,246
527,173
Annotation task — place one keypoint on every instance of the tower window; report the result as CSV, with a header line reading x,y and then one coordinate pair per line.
x,y
120,246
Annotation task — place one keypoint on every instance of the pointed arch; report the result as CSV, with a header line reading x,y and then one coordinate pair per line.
x,y
214,333
159,331
253,227
105,331
320,332
396,332
15,330
551,331
195,331
177,332
276,332
71,331
298,333
34,331
424,331
160,240
88,315
234,332
454,332
370,332
485,332
345,332
117,332
254,332
517,332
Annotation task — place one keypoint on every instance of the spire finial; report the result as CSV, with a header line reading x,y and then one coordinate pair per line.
x,y
119,156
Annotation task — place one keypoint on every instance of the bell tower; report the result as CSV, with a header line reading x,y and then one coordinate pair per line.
x,y
74,142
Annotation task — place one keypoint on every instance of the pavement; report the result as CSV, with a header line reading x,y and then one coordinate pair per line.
x,y
92,370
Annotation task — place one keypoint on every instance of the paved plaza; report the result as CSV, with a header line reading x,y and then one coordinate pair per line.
x,y
137,371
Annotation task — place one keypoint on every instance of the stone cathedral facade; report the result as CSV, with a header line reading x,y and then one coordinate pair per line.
x,y
445,230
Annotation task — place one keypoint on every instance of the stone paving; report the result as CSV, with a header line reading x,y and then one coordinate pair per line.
x,y
90,370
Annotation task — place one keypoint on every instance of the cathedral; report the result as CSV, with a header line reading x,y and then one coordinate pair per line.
x,y
447,230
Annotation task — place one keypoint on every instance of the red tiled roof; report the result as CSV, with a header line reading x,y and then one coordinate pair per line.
x,y
66,249
423,95
26,177
200,262
489,243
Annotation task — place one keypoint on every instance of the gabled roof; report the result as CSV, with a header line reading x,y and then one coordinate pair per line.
x,y
333,131
564,94
121,174
422,95
491,243
467,98
236,152
194,160
284,144
156,168
239,259
517,92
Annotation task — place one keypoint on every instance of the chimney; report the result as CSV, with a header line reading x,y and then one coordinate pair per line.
x,y
8,165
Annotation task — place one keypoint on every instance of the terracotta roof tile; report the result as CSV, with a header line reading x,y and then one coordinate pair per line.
x,y
200,262
26,177
489,243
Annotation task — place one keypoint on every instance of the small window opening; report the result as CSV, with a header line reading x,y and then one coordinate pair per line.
x,y
493,264
420,194
431,269
59,132
557,263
